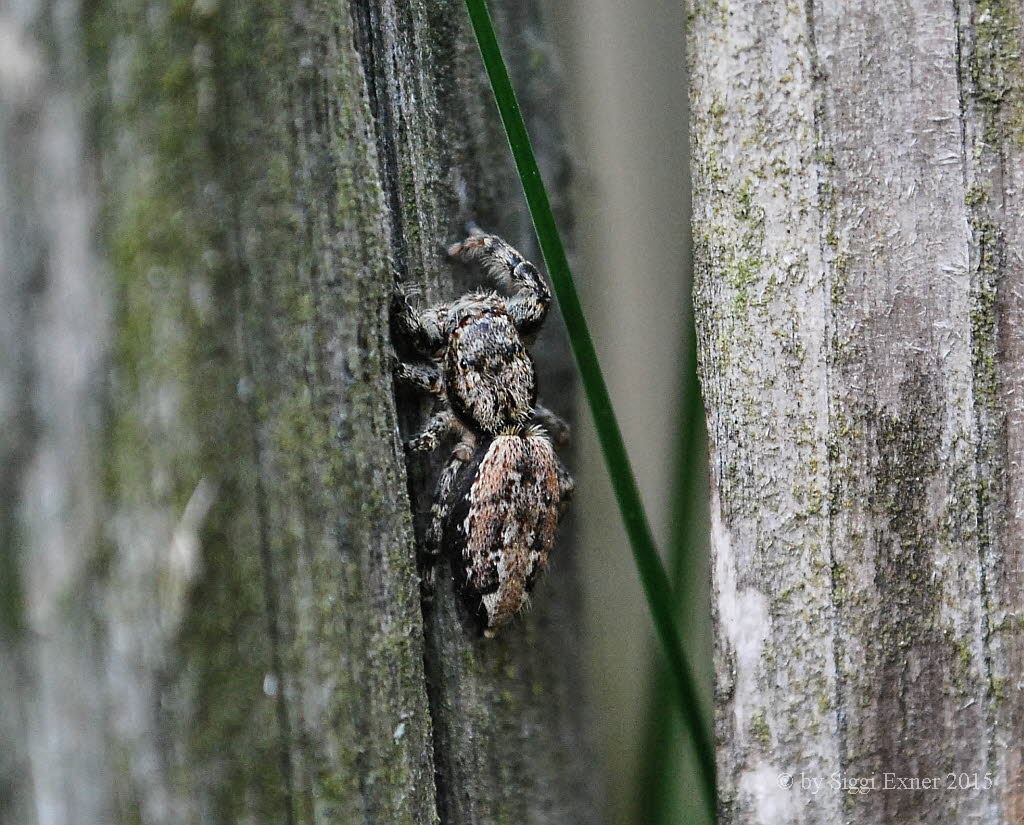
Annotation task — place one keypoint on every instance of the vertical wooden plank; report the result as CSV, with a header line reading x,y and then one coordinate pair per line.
x,y
854,203
211,603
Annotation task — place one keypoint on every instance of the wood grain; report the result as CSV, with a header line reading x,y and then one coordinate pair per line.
x,y
211,603
857,217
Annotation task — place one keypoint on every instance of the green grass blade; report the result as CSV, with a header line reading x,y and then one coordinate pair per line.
x,y
663,749
689,454
659,593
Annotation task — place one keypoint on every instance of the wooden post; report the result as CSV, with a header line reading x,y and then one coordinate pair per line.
x,y
209,602
858,180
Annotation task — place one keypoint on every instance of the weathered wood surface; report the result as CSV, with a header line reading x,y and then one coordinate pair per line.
x,y
210,603
858,180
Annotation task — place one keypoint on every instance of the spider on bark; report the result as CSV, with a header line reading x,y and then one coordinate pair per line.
x,y
500,496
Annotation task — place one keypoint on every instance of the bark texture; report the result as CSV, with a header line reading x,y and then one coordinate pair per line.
x,y
209,602
858,180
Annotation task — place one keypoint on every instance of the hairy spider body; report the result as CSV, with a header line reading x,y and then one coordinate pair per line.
x,y
499,499
503,522
488,374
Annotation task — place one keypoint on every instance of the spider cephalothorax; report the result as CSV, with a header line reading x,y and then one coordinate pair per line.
x,y
488,374
500,496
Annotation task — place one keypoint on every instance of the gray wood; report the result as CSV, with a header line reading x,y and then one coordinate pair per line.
x,y
858,170
210,608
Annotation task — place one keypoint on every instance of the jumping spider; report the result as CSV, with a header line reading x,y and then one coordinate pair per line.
x,y
499,498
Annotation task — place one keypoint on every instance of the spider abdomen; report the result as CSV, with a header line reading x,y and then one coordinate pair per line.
x,y
503,527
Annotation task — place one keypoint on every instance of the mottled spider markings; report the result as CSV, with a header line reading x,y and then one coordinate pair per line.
x,y
500,496
503,521
487,371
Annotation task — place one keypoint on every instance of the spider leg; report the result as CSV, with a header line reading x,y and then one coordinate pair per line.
x,y
554,424
566,485
529,306
444,497
429,438
424,329
427,379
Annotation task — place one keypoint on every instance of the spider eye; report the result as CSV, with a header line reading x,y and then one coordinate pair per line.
x,y
464,363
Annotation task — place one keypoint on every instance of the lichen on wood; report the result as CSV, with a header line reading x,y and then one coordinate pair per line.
x,y
856,180
219,618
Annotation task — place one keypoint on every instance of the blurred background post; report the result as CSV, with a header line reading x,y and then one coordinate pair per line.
x,y
624,70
